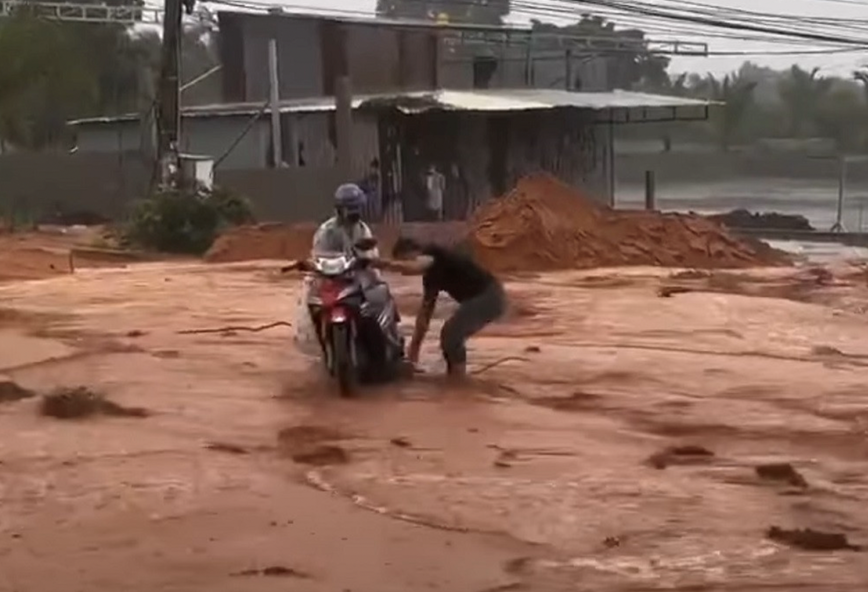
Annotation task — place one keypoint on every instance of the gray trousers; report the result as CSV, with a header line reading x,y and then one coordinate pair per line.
x,y
470,318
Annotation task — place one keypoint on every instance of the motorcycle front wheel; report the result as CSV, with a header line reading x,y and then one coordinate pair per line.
x,y
343,361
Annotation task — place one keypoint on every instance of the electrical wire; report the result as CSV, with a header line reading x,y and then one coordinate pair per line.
x,y
565,9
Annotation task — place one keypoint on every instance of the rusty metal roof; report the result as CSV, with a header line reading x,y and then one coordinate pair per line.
x,y
492,101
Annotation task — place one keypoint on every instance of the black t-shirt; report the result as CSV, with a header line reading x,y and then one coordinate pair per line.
x,y
454,273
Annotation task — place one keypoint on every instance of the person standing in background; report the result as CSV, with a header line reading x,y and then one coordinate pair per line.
x,y
370,185
435,184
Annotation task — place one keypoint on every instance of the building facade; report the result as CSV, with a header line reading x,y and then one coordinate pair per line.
x,y
482,141
381,55
483,105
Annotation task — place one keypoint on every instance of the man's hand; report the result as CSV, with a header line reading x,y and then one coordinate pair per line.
x,y
413,267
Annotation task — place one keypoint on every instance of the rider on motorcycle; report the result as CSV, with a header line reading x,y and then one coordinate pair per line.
x,y
341,232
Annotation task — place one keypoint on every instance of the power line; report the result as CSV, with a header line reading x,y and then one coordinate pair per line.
x,y
620,11
682,16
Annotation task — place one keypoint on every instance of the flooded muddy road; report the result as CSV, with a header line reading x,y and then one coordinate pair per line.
x,y
610,439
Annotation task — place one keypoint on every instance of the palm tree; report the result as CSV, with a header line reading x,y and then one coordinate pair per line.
x,y
803,92
736,94
861,76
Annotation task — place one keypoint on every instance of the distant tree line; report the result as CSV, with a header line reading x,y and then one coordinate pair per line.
x,y
762,103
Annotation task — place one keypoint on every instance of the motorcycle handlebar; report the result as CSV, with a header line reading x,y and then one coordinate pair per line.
x,y
308,266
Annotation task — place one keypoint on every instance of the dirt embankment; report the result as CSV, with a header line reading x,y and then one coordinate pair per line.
x,y
542,224
293,241
52,251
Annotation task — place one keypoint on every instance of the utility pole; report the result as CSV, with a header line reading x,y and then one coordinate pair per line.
x,y
274,104
169,98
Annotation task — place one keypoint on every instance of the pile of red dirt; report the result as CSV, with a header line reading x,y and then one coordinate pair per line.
x,y
541,225
293,241
263,241
544,224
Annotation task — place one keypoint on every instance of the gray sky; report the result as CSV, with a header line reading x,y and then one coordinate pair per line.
x,y
717,39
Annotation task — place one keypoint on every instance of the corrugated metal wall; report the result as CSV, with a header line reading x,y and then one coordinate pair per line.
x,y
102,138
315,131
216,136
212,136
244,54
231,50
312,52
380,58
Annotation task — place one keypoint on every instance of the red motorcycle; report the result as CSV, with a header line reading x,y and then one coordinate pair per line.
x,y
359,339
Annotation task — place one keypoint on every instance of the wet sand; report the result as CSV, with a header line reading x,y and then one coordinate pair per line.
x,y
549,471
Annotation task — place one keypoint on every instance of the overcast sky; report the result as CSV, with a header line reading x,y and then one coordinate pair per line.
x,y
831,63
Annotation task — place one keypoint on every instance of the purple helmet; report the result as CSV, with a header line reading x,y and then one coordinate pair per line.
x,y
350,198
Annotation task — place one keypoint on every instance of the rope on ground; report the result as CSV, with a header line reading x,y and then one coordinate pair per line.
x,y
235,328
488,367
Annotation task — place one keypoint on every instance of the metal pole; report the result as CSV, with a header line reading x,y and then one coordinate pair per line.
x,y
842,182
168,107
201,77
610,157
344,124
274,104
147,108
650,191
568,74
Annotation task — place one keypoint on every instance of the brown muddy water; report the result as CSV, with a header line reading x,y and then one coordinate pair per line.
x,y
629,441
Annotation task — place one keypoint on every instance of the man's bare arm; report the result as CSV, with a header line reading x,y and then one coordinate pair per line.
x,y
416,266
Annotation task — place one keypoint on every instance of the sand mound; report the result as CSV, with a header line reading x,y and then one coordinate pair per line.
x,y
541,225
545,225
293,241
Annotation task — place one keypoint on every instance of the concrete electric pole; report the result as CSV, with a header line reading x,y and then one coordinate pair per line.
x,y
169,97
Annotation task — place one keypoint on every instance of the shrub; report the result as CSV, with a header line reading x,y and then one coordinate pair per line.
x,y
175,221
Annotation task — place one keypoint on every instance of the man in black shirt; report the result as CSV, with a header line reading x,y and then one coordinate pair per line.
x,y
480,296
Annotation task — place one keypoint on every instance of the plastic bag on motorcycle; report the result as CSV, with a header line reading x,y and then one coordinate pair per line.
x,y
304,336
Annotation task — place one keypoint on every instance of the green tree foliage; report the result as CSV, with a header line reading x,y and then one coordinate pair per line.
x,y
178,222
43,80
803,92
53,71
490,12
736,94
762,103
838,116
